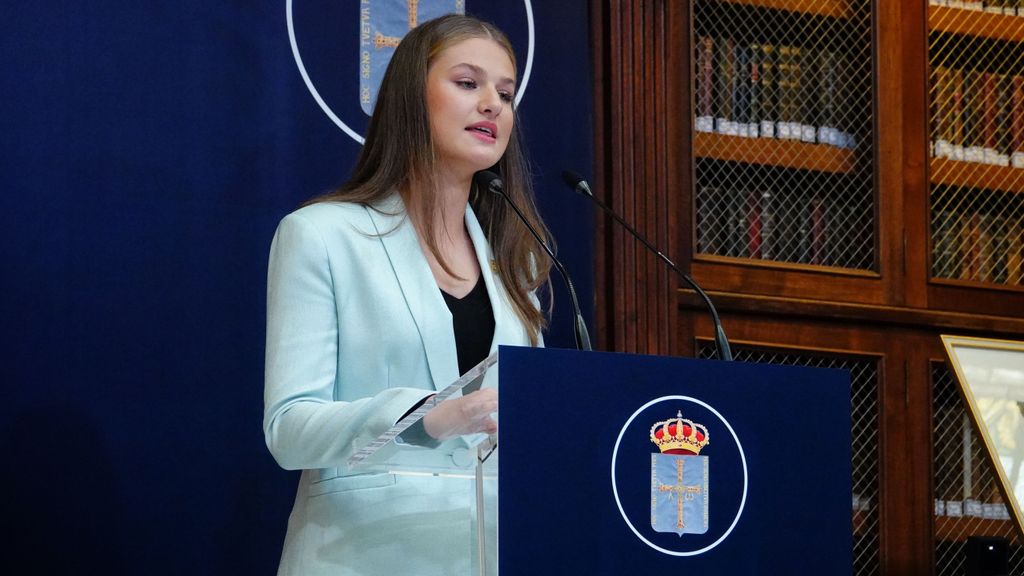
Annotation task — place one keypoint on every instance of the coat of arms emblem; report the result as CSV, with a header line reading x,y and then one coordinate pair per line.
x,y
679,477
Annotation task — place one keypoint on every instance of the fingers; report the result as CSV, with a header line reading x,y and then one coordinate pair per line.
x,y
467,415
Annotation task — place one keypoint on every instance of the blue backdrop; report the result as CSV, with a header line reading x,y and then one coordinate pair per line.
x,y
149,150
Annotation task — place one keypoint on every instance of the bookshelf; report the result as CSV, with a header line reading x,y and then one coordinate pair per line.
x,y
853,246
958,529
946,172
785,153
830,8
975,23
976,144
782,134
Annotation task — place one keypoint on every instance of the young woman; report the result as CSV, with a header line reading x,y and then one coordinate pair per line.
x,y
385,291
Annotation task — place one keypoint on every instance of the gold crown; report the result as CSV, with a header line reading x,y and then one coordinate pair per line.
x,y
678,435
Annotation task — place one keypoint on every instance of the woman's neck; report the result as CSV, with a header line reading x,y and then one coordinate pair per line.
x,y
452,198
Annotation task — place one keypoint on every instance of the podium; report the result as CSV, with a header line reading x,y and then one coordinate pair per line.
x,y
625,464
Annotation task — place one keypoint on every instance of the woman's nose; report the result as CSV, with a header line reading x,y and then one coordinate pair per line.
x,y
490,103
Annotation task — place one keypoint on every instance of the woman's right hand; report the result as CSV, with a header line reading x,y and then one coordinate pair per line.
x,y
469,414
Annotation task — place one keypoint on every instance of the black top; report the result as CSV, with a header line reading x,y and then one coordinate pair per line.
x,y
473,319
474,329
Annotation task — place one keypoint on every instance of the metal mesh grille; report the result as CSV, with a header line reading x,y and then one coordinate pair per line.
x,y
783,131
976,93
864,419
967,498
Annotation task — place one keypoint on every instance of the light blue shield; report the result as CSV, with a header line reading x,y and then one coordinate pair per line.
x,y
382,24
679,493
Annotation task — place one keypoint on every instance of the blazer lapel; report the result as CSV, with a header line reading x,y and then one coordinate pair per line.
x,y
422,296
507,326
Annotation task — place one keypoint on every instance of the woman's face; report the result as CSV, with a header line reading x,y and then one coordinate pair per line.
x,y
470,88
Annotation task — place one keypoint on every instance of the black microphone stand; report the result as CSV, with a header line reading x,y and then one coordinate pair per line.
x,y
577,183
491,182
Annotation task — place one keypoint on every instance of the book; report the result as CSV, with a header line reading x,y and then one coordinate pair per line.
x,y
970,246
827,90
709,226
818,228
724,70
754,224
973,116
768,93
1015,252
986,253
705,89
767,225
941,111
957,111
945,245
989,110
754,88
1016,121
810,82
1004,117
741,86
788,125
1000,244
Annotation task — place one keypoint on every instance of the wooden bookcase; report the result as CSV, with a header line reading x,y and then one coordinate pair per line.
x,y
856,285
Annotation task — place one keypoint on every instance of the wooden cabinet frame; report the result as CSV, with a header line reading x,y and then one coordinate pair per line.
x,y
643,169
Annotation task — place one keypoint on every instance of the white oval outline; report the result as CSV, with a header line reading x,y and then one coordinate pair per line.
x,y
615,489
334,117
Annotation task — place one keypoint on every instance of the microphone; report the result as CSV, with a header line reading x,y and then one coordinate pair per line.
x,y
579,184
492,182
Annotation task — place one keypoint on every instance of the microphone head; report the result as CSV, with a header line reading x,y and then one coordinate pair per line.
x,y
489,181
576,182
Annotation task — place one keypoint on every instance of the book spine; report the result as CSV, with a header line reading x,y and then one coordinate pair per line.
x,y
810,82
1000,246
818,229
705,83
827,86
940,111
1017,121
723,83
986,248
786,83
973,114
708,226
741,86
945,245
1015,252
754,88
1004,117
737,222
990,106
754,224
769,93
970,247
767,225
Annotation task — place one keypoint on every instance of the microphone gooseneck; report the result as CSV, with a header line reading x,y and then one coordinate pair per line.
x,y
579,184
491,182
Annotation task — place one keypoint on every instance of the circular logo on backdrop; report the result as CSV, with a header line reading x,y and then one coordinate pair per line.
x,y
679,475
377,26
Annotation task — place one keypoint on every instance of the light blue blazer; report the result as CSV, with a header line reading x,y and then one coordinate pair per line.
x,y
357,334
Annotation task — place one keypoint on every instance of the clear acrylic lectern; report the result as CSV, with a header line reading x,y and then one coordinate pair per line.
x,y
468,463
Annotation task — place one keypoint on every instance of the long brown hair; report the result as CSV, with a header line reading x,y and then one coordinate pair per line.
x,y
399,155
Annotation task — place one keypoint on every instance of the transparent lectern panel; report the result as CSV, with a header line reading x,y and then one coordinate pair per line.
x,y
991,376
465,467
405,447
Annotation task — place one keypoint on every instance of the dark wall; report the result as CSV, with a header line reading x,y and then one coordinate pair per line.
x,y
148,151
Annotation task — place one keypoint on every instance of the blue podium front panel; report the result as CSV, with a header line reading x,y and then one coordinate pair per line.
x,y
625,464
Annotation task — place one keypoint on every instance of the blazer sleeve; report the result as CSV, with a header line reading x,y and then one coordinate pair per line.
x,y
303,423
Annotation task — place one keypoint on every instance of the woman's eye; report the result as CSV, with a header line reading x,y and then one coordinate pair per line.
x,y
468,84
505,96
